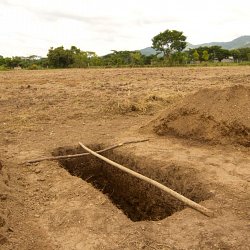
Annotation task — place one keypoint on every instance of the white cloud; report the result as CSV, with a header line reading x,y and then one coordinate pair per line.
x,y
32,27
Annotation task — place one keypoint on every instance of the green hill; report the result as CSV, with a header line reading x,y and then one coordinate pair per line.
x,y
240,42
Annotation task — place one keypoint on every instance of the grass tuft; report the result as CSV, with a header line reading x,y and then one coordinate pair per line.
x,y
141,104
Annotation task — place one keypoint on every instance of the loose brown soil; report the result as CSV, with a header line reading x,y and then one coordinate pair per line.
x,y
86,204
210,115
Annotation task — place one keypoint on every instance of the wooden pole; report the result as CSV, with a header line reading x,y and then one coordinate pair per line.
x,y
171,192
60,157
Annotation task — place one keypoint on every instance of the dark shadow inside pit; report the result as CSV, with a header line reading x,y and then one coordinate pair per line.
x,y
137,199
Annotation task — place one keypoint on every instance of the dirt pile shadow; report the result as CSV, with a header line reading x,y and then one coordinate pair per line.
x,y
138,200
210,115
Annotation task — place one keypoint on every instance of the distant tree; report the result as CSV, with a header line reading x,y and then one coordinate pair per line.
x,y
196,56
178,58
72,58
118,58
222,54
136,58
169,42
235,53
205,55
218,53
2,60
80,59
60,58
244,54
94,60
12,62
213,53
43,62
74,50
147,60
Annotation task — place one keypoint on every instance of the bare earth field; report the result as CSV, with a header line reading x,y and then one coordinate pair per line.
x,y
85,204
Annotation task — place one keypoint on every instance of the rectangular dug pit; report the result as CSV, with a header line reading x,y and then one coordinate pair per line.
x,y
138,200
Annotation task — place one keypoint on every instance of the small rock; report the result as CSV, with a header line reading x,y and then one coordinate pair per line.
x,y
41,179
10,229
37,171
3,197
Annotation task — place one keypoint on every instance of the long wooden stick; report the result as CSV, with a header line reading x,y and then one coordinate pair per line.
x,y
54,158
171,192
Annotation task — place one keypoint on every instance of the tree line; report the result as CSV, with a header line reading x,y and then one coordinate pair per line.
x,y
170,47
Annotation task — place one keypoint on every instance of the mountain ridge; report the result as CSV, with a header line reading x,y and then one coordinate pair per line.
x,y
236,43
239,42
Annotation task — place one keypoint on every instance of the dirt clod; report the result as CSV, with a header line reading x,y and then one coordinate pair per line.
x,y
3,239
2,221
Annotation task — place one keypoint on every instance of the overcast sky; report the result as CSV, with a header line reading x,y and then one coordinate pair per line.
x,y
31,26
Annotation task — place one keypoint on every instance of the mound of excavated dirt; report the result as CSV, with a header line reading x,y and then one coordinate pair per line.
x,y
213,115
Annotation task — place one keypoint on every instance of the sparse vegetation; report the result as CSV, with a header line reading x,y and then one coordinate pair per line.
x,y
141,104
169,51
